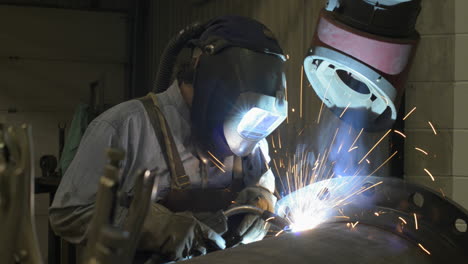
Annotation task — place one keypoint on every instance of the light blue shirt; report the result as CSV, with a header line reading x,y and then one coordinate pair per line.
x,y
127,127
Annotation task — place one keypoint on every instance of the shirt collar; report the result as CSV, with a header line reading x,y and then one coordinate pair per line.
x,y
172,96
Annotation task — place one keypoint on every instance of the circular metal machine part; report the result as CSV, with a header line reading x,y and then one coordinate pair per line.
x,y
374,220
359,70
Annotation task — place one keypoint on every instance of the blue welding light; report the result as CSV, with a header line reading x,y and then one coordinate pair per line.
x,y
257,123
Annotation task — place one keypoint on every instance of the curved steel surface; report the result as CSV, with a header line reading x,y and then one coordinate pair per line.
x,y
332,243
370,220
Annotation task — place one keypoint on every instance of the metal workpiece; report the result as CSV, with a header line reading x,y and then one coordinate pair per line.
x,y
144,192
106,201
18,239
103,212
421,216
106,242
115,156
333,243
368,220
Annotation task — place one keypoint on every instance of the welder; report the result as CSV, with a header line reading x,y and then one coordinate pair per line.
x,y
204,137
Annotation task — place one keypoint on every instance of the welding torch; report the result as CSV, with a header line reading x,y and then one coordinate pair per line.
x,y
266,215
232,238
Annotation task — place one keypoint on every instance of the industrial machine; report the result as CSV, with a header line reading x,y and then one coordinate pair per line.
x,y
360,58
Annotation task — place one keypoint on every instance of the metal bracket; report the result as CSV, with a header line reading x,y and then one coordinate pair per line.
x,y
18,239
107,243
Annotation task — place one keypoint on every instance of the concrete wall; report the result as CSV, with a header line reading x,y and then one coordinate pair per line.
x,y
438,87
48,58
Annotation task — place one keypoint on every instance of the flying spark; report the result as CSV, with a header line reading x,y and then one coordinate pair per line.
x,y
422,151
340,202
286,95
308,208
279,233
342,216
402,220
370,187
353,148
376,144
219,167
301,131
433,129
415,221
385,162
214,157
409,113
423,248
429,173
400,133
339,149
344,111
442,192
356,139
279,139
267,220
301,91
325,96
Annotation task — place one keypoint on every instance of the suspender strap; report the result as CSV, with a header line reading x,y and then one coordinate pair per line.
x,y
179,179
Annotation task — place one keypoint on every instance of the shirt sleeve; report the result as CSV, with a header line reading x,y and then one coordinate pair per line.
x,y
73,205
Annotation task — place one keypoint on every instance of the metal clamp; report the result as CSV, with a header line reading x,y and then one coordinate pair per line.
x,y
18,239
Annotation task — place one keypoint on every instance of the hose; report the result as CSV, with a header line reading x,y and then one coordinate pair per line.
x,y
172,50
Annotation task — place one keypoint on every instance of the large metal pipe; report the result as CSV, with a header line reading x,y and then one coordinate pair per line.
x,y
331,243
380,220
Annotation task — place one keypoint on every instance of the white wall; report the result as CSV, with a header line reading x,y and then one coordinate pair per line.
x,y
439,89
48,58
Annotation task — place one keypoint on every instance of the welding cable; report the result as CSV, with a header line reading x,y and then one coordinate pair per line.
x,y
172,50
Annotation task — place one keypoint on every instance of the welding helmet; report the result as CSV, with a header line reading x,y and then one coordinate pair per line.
x,y
239,86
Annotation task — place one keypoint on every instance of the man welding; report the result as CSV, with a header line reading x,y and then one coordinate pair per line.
x,y
204,137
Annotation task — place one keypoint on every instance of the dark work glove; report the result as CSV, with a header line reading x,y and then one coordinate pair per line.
x,y
251,228
177,236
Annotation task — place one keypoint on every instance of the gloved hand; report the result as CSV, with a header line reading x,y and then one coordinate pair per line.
x,y
177,236
252,228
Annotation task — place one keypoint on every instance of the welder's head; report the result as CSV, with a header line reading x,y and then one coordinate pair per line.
x,y
239,86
